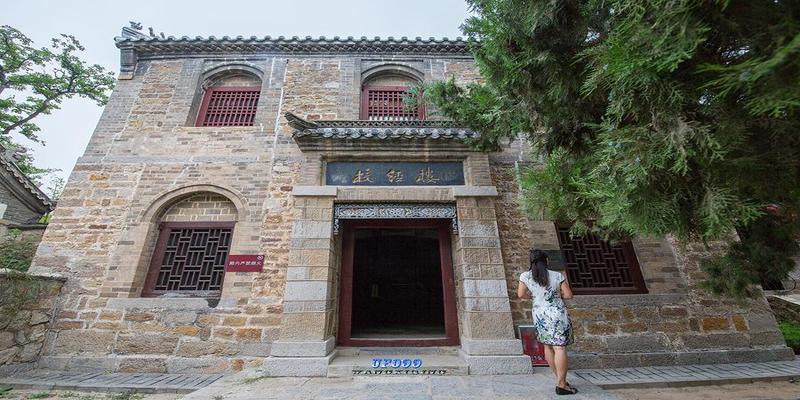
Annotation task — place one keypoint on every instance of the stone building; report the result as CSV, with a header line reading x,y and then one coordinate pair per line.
x,y
22,203
273,202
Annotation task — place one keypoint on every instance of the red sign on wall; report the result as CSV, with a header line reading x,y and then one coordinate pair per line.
x,y
245,263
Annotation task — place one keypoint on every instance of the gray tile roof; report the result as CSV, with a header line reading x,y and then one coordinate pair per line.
x,y
24,184
378,130
153,44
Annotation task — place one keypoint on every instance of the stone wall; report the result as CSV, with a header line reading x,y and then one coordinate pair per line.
x,y
676,322
784,309
27,305
146,163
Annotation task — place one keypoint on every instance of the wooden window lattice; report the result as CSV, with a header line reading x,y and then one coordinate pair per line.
x,y
192,259
229,106
386,103
595,266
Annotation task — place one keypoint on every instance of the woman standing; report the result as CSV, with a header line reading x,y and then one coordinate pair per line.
x,y
550,317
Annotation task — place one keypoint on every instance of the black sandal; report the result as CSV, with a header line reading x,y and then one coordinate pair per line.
x,y
573,388
561,391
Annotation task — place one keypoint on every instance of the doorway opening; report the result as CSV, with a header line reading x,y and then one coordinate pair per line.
x,y
397,284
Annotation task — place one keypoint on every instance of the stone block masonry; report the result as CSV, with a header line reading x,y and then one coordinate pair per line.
x,y
676,322
27,307
148,167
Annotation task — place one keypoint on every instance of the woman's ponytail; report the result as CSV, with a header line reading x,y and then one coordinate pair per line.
x,y
538,267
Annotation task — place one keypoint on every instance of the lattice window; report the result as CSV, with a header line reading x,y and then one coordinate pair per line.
x,y
386,103
190,258
229,106
595,266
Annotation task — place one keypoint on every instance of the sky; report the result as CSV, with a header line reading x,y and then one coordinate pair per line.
x,y
95,23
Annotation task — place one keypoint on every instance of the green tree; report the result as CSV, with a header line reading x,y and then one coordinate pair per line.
x,y
35,81
653,117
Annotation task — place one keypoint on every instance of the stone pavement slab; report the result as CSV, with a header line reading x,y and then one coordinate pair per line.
x,y
673,376
110,382
248,385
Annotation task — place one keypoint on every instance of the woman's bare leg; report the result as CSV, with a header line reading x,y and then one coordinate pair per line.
x,y
550,357
560,362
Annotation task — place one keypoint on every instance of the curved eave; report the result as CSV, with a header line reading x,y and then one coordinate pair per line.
x,y
378,134
27,191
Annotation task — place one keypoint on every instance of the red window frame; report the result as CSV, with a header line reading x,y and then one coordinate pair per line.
x,y
239,111
165,231
585,256
393,111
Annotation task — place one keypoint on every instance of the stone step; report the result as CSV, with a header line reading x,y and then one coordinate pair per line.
x,y
379,351
397,364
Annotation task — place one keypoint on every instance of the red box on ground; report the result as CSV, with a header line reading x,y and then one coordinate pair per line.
x,y
531,345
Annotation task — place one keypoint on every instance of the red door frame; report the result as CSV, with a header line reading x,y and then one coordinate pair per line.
x,y
448,283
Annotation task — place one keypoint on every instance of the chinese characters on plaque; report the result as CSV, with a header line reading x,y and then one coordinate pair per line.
x,y
245,263
356,173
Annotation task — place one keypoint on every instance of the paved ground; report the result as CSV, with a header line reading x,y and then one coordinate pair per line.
x,y
529,387
750,391
119,382
28,394
691,374
722,381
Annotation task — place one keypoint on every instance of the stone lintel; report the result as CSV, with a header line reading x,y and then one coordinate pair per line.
x,y
297,366
169,303
485,288
474,191
306,291
314,191
498,365
491,347
303,349
35,275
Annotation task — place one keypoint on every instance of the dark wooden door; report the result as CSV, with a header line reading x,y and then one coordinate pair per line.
x,y
402,284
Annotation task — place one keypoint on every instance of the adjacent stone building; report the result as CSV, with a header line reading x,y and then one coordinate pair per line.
x,y
275,203
22,206
21,201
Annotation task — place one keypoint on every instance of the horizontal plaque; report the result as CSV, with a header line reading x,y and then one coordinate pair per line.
x,y
364,173
245,263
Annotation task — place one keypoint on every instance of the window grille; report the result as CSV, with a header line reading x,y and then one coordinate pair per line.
x,y
190,258
229,106
386,103
595,266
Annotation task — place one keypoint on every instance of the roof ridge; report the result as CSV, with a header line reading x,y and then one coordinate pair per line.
x,y
140,37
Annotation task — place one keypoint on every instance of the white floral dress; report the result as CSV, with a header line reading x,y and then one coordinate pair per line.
x,y
549,313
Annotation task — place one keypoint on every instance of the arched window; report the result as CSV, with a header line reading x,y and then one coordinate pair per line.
x,y
230,99
194,240
383,95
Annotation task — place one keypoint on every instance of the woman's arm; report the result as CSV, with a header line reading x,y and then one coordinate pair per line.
x,y
566,291
522,291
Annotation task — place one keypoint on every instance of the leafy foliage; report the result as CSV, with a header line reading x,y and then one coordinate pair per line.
x,y
17,250
35,81
653,117
791,333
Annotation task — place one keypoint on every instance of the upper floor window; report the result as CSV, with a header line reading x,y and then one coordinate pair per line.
x,y
596,266
384,94
230,100
387,103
